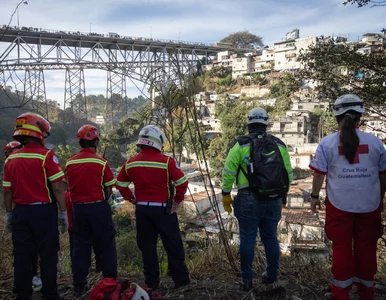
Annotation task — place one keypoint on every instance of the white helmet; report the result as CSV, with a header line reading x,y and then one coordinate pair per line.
x,y
151,136
348,102
140,293
257,115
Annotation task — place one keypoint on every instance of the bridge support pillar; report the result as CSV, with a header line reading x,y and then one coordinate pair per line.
x,y
75,105
116,99
36,89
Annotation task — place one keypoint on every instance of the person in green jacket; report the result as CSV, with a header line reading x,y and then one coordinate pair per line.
x,y
255,208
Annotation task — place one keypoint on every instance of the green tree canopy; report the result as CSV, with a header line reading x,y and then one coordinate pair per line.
x,y
338,68
243,39
233,118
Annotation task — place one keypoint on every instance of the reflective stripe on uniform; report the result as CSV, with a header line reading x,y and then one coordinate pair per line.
x,y
149,164
226,191
85,160
229,172
6,184
111,182
343,283
366,283
27,155
180,181
45,178
56,176
122,183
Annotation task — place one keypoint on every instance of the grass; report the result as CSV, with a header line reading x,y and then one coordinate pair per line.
x,y
303,276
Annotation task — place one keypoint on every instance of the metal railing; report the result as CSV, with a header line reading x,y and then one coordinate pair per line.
x,y
110,35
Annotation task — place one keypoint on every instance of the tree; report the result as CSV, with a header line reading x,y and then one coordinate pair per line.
x,y
243,39
338,68
362,3
283,90
232,116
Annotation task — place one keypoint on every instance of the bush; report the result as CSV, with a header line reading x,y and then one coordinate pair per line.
x,y
129,256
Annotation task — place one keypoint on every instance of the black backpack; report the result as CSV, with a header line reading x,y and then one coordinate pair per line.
x,y
267,175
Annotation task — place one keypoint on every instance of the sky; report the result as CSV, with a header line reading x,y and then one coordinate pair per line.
x,y
188,20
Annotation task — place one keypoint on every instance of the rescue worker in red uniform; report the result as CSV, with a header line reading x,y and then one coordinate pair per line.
x,y
36,281
33,182
151,172
90,181
354,163
71,237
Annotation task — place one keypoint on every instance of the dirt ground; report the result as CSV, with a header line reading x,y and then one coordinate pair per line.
x,y
221,287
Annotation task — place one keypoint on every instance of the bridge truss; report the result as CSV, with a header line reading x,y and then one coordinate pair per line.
x,y
150,62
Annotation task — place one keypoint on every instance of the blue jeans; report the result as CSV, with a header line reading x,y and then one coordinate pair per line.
x,y
254,215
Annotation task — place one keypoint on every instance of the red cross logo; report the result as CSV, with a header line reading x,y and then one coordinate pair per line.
x,y
362,149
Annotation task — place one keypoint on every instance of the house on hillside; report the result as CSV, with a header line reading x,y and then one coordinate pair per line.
x,y
287,52
198,203
300,160
241,66
301,228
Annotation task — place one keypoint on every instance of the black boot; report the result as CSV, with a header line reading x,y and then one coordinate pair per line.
x,y
247,285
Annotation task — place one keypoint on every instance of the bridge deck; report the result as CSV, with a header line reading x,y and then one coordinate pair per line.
x,y
77,39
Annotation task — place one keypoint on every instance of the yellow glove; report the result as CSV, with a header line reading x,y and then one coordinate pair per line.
x,y
227,202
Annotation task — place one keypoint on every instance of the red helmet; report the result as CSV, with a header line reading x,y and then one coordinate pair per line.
x,y
31,124
88,132
10,147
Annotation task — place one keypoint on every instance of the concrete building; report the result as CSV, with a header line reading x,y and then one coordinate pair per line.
x,y
100,120
241,66
225,59
286,52
370,38
300,228
309,105
293,131
300,160
196,204
213,123
376,125
263,62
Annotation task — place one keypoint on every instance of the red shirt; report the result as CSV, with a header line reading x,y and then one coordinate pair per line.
x,y
69,209
151,171
87,174
28,172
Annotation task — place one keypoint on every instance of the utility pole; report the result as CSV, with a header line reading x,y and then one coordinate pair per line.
x,y
90,27
17,10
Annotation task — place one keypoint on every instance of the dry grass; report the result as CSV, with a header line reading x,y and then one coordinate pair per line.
x,y
302,277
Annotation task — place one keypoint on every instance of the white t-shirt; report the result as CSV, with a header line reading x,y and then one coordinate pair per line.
x,y
352,187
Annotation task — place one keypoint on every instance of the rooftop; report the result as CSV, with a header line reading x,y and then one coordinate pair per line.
x,y
303,218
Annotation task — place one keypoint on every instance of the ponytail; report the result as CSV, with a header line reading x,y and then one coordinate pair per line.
x,y
348,135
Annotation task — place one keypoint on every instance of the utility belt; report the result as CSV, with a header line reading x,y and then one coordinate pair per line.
x,y
159,204
34,203
92,202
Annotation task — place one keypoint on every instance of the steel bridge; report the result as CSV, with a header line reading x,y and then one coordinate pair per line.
x,y
154,62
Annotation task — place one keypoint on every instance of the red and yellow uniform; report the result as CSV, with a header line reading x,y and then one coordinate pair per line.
x,y
151,171
32,182
87,174
36,165
90,180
